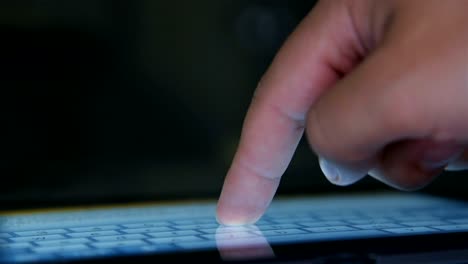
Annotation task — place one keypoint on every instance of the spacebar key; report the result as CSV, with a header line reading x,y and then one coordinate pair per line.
x,y
328,236
115,244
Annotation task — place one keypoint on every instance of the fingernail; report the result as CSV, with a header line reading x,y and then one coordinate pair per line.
x,y
339,174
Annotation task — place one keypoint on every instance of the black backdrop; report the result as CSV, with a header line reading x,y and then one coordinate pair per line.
x,y
106,101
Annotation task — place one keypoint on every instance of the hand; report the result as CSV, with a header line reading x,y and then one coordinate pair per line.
x,y
379,87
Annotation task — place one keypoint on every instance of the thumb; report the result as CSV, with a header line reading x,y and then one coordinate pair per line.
x,y
351,123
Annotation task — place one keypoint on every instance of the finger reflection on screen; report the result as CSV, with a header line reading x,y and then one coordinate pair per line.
x,y
242,242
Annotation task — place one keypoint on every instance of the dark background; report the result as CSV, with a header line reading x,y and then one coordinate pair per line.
x,y
113,101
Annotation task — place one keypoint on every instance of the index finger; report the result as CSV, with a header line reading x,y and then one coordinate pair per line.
x,y
310,61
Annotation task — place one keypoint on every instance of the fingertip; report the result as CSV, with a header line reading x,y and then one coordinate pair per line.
x,y
245,196
231,216
235,220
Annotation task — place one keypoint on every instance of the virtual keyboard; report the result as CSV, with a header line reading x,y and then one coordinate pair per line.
x,y
171,228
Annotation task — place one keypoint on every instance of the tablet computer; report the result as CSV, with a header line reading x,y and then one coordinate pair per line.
x,y
352,228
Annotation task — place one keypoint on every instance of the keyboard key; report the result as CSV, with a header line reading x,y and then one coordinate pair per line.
x,y
415,219
94,228
14,251
410,230
462,227
146,225
169,240
192,227
333,213
20,245
63,242
28,257
94,234
236,235
5,235
53,249
452,215
90,252
283,232
370,221
329,229
41,232
326,236
37,238
378,226
229,229
278,216
174,233
323,223
147,230
288,214
120,237
459,221
269,221
295,220
339,218
387,214
115,244
149,249
209,230
430,214
200,221
197,245
278,227
424,223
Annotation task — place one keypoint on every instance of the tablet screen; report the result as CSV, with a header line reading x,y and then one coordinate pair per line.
x,y
152,229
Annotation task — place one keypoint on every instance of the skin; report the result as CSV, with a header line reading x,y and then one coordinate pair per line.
x,y
377,86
